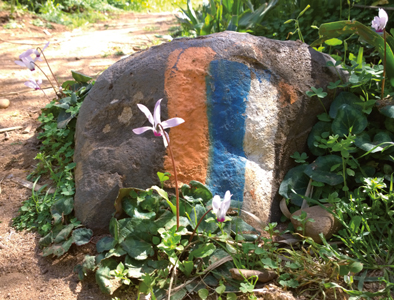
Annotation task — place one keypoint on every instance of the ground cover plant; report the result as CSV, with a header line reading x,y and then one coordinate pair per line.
x,y
163,243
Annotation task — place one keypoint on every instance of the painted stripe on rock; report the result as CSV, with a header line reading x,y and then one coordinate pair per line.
x,y
186,93
227,90
259,144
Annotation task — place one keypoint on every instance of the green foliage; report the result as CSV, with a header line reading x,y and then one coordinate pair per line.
x,y
149,244
50,212
217,16
340,28
163,177
353,172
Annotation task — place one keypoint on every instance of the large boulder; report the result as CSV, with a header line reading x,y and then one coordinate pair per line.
x,y
243,101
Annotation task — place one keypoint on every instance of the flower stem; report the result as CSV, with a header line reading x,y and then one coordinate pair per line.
x,y
198,224
45,76
44,93
42,52
175,175
384,64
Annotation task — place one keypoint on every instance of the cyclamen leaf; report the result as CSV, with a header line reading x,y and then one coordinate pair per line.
x,y
348,119
107,283
64,233
320,170
139,250
105,244
82,236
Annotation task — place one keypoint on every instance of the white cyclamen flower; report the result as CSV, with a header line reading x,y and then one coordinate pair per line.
x,y
379,23
155,121
219,207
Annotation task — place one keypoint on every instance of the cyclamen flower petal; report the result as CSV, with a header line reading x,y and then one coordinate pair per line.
x,y
220,208
172,122
147,113
38,54
26,61
142,129
34,84
26,53
155,121
379,23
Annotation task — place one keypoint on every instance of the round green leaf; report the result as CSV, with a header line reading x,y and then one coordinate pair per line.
x,y
316,131
64,233
295,180
319,170
105,244
203,293
348,118
63,207
240,226
356,267
196,192
139,250
388,111
82,236
333,42
107,283
197,212
58,249
389,124
363,141
344,98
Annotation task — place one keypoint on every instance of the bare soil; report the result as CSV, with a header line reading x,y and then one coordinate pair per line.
x,y
24,273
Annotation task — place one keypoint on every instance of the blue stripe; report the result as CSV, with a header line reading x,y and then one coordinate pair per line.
x,y
227,91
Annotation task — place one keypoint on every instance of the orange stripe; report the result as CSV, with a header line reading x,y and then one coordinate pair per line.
x,y
186,93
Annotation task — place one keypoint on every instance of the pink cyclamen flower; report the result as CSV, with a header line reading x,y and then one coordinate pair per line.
x,y
155,121
219,207
34,84
379,23
26,62
28,52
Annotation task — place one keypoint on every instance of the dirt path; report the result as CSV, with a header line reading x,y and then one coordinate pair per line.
x,y
24,273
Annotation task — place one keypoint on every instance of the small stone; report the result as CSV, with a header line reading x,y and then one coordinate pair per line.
x,y
4,103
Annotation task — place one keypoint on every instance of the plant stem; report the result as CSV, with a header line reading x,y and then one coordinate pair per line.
x,y
45,76
42,52
198,224
384,63
321,102
175,175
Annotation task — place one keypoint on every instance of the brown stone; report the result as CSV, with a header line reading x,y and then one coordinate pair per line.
x,y
4,103
324,221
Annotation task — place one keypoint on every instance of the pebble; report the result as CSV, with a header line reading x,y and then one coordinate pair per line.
x,y
4,103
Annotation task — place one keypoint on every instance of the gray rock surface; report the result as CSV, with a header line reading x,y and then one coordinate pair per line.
x,y
243,101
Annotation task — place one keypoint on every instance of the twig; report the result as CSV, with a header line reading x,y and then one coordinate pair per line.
x,y
372,7
171,281
28,128
10,128
2,181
